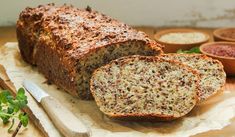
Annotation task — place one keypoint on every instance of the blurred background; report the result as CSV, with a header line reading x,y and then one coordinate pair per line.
x,y
193,13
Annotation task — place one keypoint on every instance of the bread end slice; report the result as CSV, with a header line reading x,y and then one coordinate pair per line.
x,y
211,72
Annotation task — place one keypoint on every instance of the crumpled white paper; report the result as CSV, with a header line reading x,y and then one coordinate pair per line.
x,y
214,114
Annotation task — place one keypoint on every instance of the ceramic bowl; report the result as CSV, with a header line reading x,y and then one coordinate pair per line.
x,y
173,47
224,34
228,62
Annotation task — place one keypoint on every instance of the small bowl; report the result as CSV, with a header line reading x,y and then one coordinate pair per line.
x,y
224,34
228,62
173,47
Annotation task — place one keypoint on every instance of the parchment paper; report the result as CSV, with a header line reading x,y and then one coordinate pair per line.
x,y
213,114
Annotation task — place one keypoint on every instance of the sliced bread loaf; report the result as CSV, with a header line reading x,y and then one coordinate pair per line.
x,y
144,87
67,44
211,72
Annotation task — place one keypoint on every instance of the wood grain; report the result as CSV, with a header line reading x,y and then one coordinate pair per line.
x,y
32,129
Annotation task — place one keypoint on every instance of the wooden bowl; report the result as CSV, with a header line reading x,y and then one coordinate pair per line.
x,y
228,62
224,34
173,47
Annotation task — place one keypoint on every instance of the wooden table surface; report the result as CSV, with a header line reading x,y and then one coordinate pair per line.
x,y
7,34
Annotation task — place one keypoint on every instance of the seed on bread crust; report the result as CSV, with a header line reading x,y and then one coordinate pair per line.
x,y
67,44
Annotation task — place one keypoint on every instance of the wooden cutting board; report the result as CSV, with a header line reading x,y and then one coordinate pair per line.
x,y
39,131
6,84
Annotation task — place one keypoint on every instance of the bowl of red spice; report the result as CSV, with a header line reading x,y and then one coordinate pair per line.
x,y
224,34
224,52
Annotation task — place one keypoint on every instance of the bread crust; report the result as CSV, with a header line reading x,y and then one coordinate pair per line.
x,y
58,40
141,117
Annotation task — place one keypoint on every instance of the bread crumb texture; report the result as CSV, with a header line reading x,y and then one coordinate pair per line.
x,y
144,86
211,72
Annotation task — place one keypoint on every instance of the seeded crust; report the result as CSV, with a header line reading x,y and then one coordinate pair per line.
x,y
213,77
141,87
67,44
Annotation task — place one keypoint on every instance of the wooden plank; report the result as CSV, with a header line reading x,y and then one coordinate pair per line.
x,y
7,34
230,85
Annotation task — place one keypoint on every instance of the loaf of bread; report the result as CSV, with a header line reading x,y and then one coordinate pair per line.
x,y
145,88
67,44
210,70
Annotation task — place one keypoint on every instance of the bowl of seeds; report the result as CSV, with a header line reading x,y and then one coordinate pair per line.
x,y
185,39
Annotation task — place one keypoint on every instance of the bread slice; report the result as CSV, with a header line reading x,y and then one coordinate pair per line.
x,y
144,87
210,70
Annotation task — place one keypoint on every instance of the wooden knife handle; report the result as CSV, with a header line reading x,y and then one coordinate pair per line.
x,y
67,123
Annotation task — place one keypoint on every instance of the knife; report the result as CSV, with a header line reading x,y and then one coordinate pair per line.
x,y
67,123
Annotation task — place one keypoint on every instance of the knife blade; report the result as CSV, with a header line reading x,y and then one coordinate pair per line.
x,y
66,122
